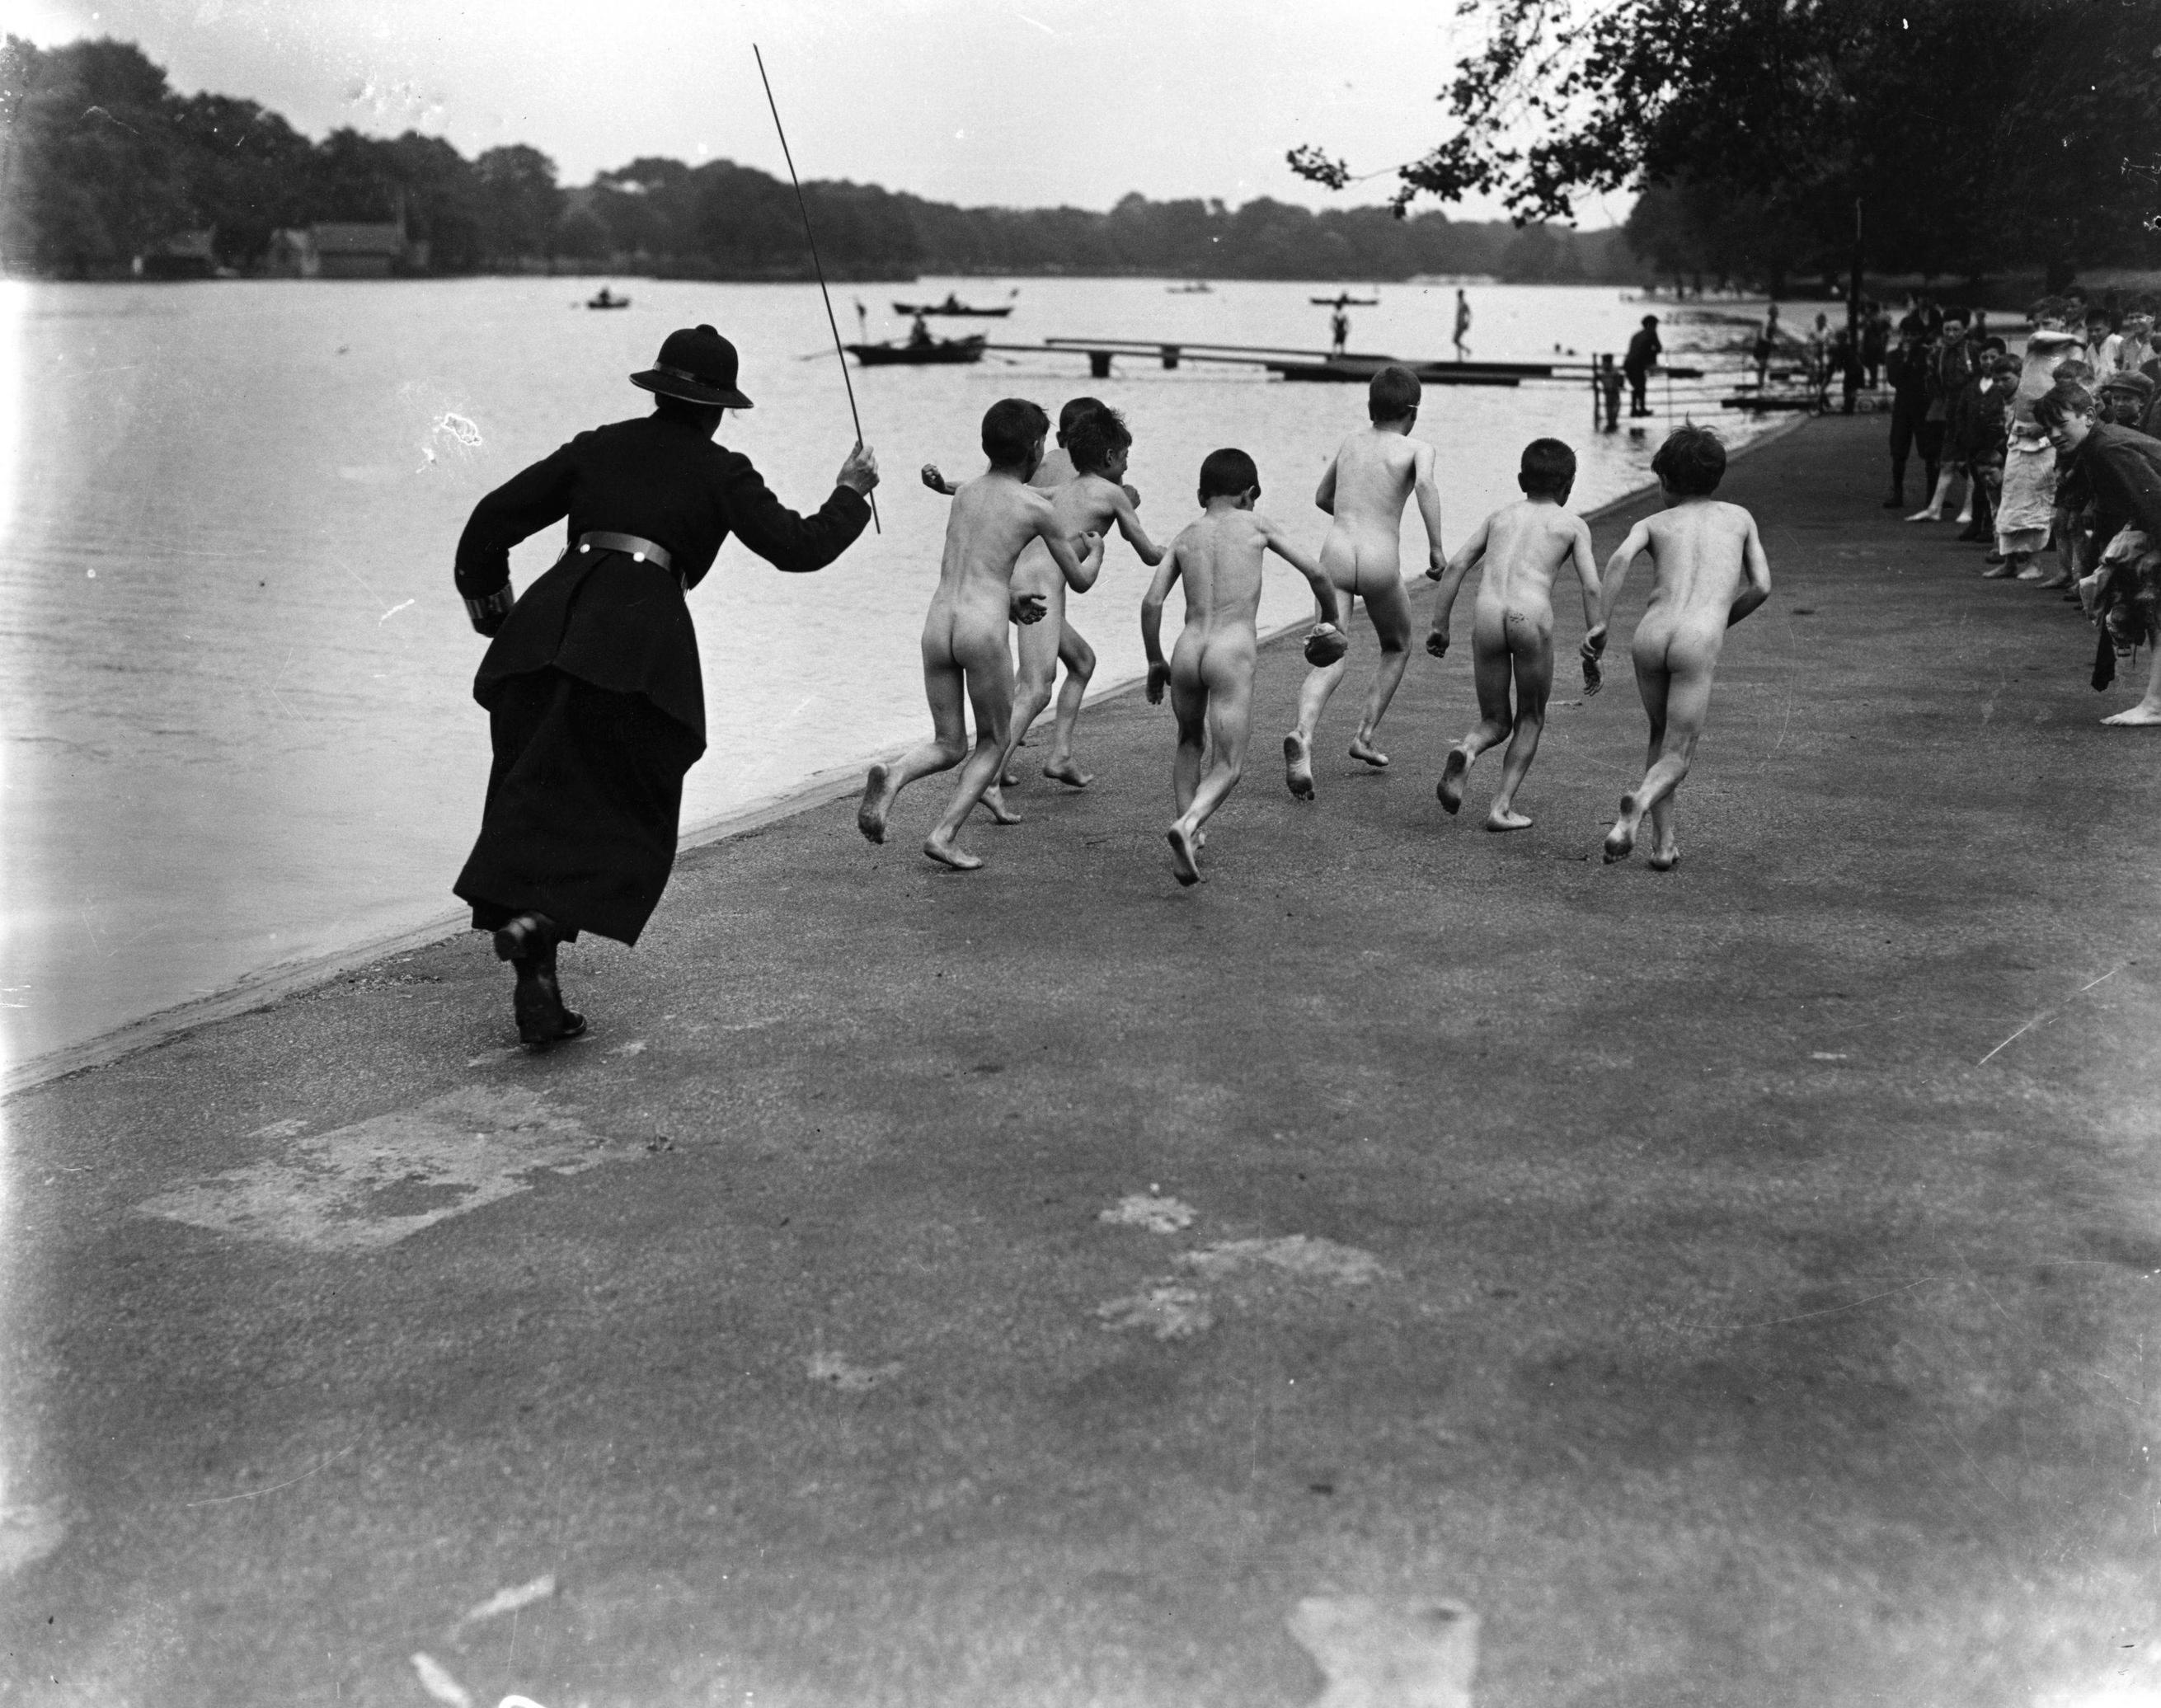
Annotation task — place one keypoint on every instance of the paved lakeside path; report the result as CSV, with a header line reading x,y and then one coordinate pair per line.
x,y
1733,1285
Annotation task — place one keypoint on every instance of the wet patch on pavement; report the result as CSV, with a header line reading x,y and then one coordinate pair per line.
x,y
373,1183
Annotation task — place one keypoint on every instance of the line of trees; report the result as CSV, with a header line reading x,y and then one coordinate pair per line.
x,y
1953,139
101,162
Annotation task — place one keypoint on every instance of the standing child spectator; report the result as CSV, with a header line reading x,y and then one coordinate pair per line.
x,y
1985,433
1767,344
1875,344
2102,345
1907,369
1609,388
1818,358
2026,510
1949,368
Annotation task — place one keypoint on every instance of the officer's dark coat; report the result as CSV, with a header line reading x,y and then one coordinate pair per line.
x,y
596,701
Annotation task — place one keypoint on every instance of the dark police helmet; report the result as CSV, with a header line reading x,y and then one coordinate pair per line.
x,y
697,365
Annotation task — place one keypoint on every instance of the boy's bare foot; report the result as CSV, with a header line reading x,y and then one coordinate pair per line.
x,y
2001,572
2139,716
877,802
1506,819
1450,790
994,803
1184,867
1621,840
2032,572
1360,748
1298,766
1925,516
947,853
1066,772
1011,778
1665,858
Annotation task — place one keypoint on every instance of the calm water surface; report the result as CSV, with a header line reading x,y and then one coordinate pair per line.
x,y
235,677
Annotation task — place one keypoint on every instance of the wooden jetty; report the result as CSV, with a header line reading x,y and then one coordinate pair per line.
x,y
1318,365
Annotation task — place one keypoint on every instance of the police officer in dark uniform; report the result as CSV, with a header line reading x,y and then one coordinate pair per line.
x,y
596,705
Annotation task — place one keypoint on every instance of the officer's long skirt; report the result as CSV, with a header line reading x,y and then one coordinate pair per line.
x,y
582,806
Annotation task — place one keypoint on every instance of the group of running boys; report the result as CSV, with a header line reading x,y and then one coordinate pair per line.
x,y
1031,528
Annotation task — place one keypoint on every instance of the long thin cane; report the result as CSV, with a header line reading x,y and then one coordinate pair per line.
x,y
804,209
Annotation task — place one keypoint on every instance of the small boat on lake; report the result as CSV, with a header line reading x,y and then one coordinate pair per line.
x,y
954,305
918,352
608,299
1199,287
1344,300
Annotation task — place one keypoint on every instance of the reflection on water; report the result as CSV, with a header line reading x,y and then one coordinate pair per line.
x,y
235,675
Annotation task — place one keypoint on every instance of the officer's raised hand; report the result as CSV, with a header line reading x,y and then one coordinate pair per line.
x,y
860,472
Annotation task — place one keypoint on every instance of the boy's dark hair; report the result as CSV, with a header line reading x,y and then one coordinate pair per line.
x,y
2065,398
1228,474
1548,469
1093,435
1074,408
1691,462
1994,344
1011,427
1963,316
1391,393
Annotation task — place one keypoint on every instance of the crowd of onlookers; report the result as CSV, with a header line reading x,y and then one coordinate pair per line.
x,y
2053,455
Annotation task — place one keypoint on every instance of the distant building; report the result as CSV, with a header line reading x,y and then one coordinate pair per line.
x,y
358,251
345,249
187,255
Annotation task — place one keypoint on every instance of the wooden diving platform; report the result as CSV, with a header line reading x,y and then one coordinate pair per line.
x,y
1350,368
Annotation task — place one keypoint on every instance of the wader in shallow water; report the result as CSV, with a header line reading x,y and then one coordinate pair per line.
x,y
594,702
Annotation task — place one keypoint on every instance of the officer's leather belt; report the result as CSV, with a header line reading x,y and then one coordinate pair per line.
x,y
642,549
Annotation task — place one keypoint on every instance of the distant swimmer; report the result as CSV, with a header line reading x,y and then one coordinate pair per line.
x,y
1462,324
1518,549
1374,472
1339,329
965,665
1211,671
1096,447
1711,572
595,703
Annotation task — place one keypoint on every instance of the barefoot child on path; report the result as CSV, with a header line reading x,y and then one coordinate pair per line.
x,y
1098,442
1711,572
1211,672
1374,472
993,518
1521,546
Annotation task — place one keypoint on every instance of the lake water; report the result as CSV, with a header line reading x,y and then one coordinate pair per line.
x,y
235,677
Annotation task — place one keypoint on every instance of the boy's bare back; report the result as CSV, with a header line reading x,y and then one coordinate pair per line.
x,y
1219,558
993,518
1085,504
1700,551
1526,542
1373,475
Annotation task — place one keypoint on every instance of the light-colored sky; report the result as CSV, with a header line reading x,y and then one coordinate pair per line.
x,y
1032,104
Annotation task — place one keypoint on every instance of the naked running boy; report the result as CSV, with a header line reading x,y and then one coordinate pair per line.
x,y
1520,547
1211,671
1375,471
1098,442
1711,572
994,516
